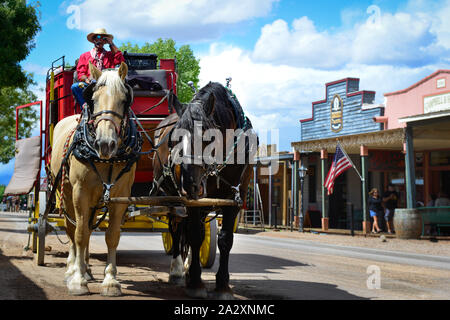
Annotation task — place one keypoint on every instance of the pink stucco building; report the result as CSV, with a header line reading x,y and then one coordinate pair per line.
x,y
428,96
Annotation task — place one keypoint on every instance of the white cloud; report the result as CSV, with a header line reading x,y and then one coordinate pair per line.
x,y
178,19
35,68
302,45
414,38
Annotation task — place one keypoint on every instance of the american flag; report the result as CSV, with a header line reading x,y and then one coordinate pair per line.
x,y
341,162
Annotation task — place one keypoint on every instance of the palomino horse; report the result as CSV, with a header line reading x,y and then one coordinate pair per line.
x,y
84,183
213,107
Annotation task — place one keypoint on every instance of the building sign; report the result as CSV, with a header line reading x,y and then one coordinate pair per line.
x,y
337,114
341,112
436,103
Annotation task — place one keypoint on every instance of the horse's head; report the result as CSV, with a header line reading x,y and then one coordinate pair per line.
x,y
111,99
194,119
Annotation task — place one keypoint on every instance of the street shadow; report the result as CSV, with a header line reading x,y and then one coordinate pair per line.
x,y
263,289
146,262
257,263
290,290
15,285
151,261
155,260
159,261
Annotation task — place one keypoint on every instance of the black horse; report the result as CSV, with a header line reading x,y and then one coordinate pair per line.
x,y
196,170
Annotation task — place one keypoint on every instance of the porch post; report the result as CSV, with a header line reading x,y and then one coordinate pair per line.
x,y
270,194
325,218
285,195
295,191
410,171
364,189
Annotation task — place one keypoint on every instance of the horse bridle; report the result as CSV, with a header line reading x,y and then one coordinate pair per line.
x,y
104,117
104,114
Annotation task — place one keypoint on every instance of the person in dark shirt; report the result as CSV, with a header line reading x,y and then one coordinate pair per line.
x,y
390,199
375,209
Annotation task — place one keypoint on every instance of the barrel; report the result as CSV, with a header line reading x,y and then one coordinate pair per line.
x,y
408,223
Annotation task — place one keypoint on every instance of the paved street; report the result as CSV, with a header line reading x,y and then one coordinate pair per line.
x,y
261,266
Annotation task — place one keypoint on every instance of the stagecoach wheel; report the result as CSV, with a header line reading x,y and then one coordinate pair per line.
x,y
40,252
209,245
167,242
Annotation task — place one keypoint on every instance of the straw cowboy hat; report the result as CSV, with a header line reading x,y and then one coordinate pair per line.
x,y
100,31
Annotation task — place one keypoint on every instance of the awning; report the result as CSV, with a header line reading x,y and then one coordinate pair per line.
x,y
26,166
430,131
383,140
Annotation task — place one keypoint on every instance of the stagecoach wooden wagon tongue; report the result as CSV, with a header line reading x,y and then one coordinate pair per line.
x,y
145,213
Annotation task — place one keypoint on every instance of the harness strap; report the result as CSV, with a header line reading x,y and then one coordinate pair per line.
x,y
107,189
57,180
63,167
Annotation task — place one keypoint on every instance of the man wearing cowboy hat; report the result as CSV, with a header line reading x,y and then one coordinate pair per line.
x,y
99,57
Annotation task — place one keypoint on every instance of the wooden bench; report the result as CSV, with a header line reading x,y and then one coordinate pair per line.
x,y
437,216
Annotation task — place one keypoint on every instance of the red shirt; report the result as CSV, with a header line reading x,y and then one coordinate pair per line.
x,y
110,60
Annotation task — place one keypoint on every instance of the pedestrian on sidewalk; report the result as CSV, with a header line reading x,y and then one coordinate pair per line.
x,y
442,200
390,199
375,208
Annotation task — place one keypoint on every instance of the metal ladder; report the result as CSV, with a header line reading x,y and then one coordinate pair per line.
x,y
255,217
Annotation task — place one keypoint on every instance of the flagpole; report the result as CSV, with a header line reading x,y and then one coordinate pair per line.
x,y
349,159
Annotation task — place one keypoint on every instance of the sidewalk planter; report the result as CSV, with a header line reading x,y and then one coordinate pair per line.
x,y
407,223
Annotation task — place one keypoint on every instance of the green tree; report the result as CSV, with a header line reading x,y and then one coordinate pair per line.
x,y
2,191
10,98
188,66
19,24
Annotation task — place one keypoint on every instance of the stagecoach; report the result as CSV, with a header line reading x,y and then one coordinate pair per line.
x,y
150,107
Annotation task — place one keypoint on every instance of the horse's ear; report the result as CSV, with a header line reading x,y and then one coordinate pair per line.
x,y
174,103
123,71
95,73
210,105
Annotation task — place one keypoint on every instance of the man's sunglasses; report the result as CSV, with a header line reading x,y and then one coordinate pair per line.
x,y
99,37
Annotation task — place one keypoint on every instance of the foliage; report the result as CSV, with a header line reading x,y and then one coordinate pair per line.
x,y
19,25
188,66
10,98
2,190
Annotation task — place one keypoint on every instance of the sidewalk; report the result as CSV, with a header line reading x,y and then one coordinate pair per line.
x,y
439,246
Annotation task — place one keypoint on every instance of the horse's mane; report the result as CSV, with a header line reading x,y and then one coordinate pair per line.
x,y
113,83
223,110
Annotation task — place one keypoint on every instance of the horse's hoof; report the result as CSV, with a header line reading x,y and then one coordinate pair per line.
x,y
177,280
111,289
77,288
196,293
223,294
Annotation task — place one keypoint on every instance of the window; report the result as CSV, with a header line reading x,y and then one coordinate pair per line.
x,y
440,158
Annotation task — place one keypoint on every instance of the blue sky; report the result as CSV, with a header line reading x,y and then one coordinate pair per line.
x,y
280,53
